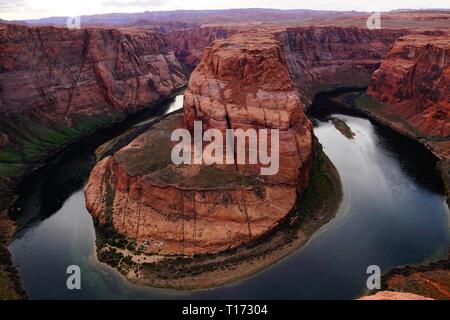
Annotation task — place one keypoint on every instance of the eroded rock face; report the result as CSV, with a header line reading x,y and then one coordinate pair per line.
x,y
192,209
57,84
244,82
414,82
325,58
257,78
59,72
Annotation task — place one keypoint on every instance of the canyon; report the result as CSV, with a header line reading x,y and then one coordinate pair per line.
x,y
413,87
257,78
58,85
261,77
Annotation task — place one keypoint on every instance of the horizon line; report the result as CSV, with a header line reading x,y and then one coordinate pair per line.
x,y
228,9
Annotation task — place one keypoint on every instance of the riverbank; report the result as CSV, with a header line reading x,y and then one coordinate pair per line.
x,y
318,205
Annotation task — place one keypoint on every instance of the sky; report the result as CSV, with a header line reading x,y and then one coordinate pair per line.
x,y
30,9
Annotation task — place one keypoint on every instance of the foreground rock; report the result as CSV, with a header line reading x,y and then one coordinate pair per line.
x,y
391,295
188,43
57,85
430,279
168,209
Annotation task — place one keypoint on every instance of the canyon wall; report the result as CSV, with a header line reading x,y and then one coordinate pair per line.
x,y
262,78
410,93
188,43
57,85
325,58
243,82
413,83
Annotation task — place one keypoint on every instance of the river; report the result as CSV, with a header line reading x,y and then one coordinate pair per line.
x,y
393,213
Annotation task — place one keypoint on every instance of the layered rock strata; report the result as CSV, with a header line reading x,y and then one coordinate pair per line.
x,y
188,43
412,87
326,58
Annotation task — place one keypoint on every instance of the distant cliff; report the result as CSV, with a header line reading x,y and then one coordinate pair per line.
x,y
414,82
188,44
324,58
57,85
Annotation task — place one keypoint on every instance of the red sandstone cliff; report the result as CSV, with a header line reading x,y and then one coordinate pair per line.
x,y
244,82
58,84
188,44
324,58
414,83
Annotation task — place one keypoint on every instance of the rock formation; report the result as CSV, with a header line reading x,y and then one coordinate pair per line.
x,y
57,84
241,83
430,279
